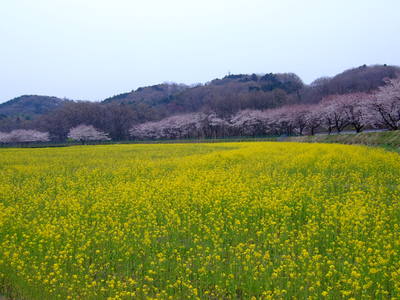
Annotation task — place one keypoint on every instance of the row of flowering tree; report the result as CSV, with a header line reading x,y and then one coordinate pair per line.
x,y
355,111
82,133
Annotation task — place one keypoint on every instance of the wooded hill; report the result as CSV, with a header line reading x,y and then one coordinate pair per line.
x,y
29,106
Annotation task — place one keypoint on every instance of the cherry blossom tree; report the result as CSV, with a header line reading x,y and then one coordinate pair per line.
x,y
333,113
298,115
178,126
24,136
279,121
85,133
385,106
3,137
314,118
147,130
249,122
214,126
355,107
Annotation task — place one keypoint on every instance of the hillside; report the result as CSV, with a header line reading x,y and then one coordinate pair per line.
x,y
224,95
151,95
359,79
29,106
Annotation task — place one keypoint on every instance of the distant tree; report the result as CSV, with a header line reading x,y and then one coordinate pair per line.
x,y
254,77
85,133
4,138
214,126
355,108
249,122
314,118
179,126
118,120
280,98
333,113
298,117
291,84
270,82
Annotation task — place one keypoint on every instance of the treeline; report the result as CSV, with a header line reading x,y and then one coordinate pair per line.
x,y
356,111
236,105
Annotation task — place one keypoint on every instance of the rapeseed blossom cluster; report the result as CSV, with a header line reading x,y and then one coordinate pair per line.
x,y
205,221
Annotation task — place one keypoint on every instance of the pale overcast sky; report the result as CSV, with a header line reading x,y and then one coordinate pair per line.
x,y
92,49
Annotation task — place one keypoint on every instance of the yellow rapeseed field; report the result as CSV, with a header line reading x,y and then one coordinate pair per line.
x,y
200,221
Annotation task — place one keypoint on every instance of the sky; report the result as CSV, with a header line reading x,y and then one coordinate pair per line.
x,y
94,49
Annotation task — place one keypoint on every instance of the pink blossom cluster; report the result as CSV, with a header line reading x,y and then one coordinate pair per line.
x,y
24,136
179,126
85,133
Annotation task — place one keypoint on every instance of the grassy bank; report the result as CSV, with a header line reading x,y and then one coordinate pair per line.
x,y
389,140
